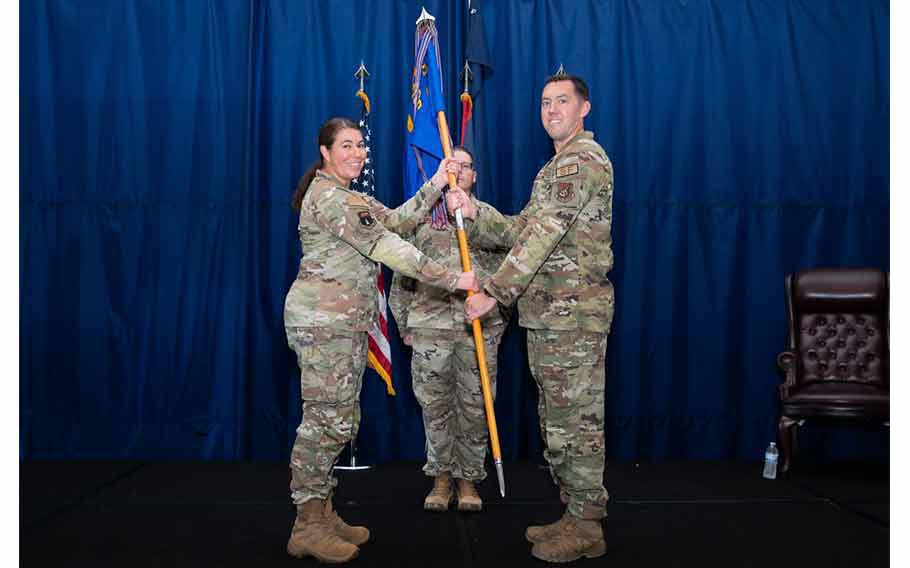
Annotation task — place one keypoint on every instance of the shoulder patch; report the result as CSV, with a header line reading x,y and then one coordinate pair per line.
x,y
564,192
568,170
366,219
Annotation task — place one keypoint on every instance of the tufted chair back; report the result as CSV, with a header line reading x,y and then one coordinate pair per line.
x,y
839,325
837,362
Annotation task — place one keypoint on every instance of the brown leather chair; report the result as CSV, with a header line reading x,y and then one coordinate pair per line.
x,y
837,365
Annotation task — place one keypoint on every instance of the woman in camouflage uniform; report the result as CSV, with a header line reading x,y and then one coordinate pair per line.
x,y
444,362
329,310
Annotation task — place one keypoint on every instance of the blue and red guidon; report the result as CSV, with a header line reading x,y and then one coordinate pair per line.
x,y
423,148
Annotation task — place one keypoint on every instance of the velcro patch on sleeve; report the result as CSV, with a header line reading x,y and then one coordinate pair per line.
x,y
565,191
366,219
356,201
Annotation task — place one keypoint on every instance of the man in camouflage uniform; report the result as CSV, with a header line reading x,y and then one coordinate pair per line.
x,y
328,311
444,368
557,272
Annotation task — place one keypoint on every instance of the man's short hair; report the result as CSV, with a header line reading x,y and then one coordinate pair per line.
x,y
466,151
581,89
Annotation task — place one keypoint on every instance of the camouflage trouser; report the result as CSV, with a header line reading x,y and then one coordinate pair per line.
x,y
568,367
331,373
447,386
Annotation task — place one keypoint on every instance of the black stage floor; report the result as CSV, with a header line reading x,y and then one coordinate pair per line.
x,y
239,514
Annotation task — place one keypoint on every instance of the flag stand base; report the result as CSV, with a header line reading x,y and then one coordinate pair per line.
x,y
353,465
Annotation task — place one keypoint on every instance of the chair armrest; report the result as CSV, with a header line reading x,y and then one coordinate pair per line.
x,y
786,363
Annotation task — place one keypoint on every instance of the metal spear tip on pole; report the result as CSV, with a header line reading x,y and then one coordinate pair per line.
x,y
467,75
425,17
361,73
501,476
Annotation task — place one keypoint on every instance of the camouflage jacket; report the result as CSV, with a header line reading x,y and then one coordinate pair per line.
x,y
343,234
418,305
557,267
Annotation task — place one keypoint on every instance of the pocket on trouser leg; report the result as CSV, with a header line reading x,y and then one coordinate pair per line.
x,y
433,380
555,373
328,364
586,451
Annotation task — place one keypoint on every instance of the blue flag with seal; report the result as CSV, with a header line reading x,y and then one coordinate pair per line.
x,y
423,148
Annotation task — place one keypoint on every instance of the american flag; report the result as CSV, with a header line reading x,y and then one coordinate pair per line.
x,y
379,354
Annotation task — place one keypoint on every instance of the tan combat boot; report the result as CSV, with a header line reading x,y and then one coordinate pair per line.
x,y
540,533
575,538
354,535
313,536
468,499
441,495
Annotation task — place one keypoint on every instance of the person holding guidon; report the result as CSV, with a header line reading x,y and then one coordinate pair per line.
x,y
328,312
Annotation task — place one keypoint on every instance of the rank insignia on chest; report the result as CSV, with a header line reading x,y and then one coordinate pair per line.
x,y
569,170
564,192
366,219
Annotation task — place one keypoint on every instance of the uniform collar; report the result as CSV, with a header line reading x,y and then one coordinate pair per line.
x,y
326,175
583,135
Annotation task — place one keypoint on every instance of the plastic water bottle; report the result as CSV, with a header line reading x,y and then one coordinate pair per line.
x,y
770,470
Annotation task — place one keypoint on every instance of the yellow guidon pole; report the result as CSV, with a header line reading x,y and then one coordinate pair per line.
x,y
478,331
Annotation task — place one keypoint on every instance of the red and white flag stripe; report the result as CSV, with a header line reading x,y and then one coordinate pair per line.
x,y
380,354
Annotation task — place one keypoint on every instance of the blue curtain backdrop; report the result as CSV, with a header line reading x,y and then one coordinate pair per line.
x,y
160,144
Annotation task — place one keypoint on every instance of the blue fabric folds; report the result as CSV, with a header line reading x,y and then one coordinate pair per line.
x,y
160,144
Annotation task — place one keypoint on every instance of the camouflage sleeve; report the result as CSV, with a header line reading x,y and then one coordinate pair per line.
x,y
404,219
400,297
350,217
561,203
492,230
